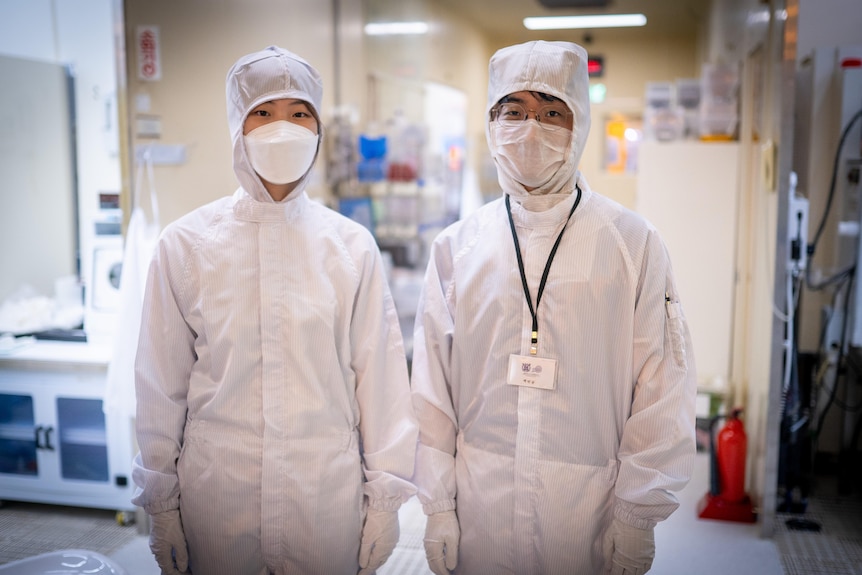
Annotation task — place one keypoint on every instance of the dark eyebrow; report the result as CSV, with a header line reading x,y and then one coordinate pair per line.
x,y
537,95
293,102
545,97
262,104
506,99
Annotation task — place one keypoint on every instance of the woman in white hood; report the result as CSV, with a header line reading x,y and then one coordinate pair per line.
x,y
273,408
553,377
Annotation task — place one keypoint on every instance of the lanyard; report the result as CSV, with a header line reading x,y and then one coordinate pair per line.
x,y
534,336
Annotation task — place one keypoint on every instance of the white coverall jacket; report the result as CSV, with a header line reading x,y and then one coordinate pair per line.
x,y
536,476
271,378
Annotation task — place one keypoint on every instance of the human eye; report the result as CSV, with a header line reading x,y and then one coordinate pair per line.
x,y
511,112
554,115
260,112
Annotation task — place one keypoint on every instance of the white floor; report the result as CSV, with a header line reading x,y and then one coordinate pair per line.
x,y
685,544
714,547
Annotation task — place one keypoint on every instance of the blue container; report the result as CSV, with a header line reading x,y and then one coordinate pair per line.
x,y
372,148
373,170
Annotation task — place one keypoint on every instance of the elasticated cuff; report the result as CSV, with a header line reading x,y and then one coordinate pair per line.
x,y
627,513
438,506
385,504
162,506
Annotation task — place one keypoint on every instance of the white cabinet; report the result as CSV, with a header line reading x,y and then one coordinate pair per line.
x,y
56,443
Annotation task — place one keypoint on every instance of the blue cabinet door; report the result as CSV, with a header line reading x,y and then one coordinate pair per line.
x,y
19,435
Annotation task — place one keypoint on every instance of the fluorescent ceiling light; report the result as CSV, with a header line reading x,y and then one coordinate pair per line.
x,y
595,21
389,28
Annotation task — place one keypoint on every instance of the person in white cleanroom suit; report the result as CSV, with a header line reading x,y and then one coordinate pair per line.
x,y
274,415
560,461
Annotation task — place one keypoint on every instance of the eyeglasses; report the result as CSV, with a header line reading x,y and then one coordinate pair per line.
x,y
554,113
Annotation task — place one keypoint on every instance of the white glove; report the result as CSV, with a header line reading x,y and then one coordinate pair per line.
x,y
630,549
441,542
379,538
168,542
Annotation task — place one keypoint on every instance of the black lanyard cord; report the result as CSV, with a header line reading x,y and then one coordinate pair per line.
x,y
534,336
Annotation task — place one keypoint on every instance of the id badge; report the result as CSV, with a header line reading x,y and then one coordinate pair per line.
x,y
532,371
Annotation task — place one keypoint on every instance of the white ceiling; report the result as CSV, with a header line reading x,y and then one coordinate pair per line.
x,y
502,20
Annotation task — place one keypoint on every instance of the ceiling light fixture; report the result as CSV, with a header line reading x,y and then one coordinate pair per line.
x,y
390,28
595,21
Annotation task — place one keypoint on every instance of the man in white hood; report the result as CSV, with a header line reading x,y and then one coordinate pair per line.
x,y
274,417
553,377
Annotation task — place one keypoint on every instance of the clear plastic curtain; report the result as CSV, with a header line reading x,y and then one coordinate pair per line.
x,y
141,237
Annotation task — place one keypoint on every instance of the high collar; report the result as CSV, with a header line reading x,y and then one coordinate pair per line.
x,y
247,208
549,210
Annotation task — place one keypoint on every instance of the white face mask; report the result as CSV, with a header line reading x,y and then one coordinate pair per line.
x,y
281,152
530,152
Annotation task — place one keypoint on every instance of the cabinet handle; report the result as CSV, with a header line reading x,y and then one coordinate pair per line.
x,y
48,431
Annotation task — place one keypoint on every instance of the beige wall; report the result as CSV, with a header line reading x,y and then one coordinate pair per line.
x,y
200,40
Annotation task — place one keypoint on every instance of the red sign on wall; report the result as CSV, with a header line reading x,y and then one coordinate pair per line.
x,y
147,49
596,66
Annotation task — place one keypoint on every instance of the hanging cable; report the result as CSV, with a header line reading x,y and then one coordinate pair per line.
x,y
839,360
812,246
838,277
790,338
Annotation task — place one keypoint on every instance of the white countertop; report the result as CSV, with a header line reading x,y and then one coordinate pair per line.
x,y
39,354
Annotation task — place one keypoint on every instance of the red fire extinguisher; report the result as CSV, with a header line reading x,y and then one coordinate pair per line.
x,y
732,445
726,498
